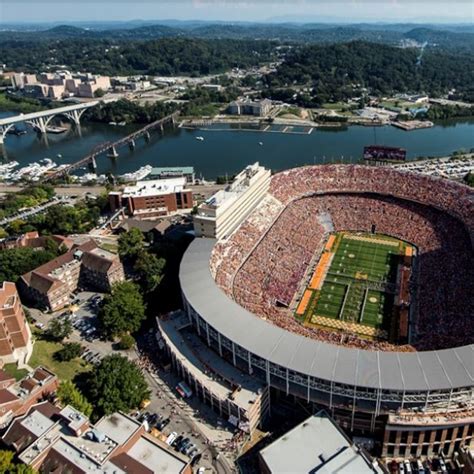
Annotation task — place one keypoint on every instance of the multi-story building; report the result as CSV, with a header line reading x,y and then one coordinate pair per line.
x,y
153,198
16,398
51,284
15,335
101,269
239,398
259,108
222,213
33,240
409,435
51,439
20,80
60,84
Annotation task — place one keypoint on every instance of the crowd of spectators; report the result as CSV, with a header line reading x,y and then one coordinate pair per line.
x,y
263,263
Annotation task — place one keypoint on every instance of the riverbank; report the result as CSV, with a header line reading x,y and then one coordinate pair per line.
x,y
221,153
251,124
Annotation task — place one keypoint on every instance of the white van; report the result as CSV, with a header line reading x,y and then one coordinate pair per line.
x,y
172,436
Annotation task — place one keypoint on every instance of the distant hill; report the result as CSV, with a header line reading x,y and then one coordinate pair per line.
x,y
460,37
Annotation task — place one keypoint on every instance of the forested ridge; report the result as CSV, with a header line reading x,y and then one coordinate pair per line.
x,y
340,71
171,56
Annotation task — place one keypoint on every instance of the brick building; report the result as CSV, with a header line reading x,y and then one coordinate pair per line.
x,y
33,240
16,398
15,335
50,439
51,284
153,198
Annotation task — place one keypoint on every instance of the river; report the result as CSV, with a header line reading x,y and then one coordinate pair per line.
x,y
224,152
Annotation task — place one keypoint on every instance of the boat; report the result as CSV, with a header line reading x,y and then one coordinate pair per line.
x,y
260,143
201,139
53,129
122,124
138,175
59,155
16,131
112,123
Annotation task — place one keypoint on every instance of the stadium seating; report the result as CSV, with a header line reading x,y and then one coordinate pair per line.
x,y
263,263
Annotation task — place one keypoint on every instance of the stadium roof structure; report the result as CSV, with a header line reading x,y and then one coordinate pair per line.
x,y
400,371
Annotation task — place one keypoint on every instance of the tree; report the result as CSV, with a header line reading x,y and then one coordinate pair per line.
x,y
16,262
59,329
117,384
69,351
123,310
8,466
130,244
99,93
126,342
150,270
469,179
69,394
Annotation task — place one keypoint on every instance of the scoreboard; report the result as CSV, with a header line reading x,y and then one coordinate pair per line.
x,y
384,153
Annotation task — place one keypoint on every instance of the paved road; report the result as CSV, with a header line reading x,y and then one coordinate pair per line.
x,y
36,210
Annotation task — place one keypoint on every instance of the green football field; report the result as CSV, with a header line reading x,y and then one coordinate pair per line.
x,y
358,287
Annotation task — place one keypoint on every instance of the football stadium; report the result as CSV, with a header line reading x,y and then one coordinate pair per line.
x,y
350,288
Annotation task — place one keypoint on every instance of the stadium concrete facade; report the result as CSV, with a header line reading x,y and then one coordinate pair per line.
x,y
367,388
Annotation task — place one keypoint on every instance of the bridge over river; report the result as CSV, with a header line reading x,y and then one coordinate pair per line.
x,y
111,147
40,120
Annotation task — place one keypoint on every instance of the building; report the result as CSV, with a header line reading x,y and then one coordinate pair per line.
x,y
51,439
51,284
60,84
236,397
15,335
223,212
20,80
153,198
317,444
16,398
406,434
174,172
33,240
260,108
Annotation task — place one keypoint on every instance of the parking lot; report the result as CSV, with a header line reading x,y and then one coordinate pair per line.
x,y
83,315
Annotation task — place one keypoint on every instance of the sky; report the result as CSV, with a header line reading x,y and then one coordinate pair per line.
x,y
238,10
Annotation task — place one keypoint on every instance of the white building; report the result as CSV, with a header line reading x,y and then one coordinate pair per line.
x,y
222,213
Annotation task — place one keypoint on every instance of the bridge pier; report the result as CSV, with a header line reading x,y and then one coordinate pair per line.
x,y
131,144
147,136
93,164
39,124
162,129
112,153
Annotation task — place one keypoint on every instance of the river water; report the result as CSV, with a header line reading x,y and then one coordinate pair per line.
x,y
229,151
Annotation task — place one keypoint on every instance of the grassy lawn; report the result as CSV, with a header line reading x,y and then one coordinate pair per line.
x,y
109,247
14,371
43,352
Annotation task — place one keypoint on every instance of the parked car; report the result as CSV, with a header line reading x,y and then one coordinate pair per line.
x,y
171,437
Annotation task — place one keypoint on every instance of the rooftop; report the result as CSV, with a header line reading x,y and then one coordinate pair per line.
x,y
155,458
225,197
155,187
172,170
317,444
205,365
118,427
